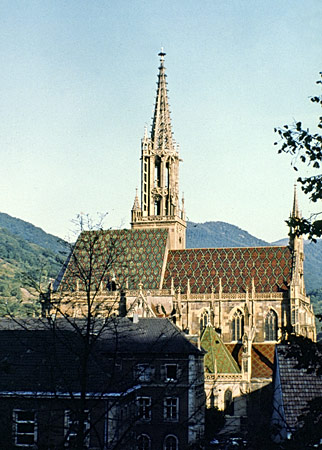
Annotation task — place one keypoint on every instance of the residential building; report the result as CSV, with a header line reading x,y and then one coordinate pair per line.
x,y
130,385
297,395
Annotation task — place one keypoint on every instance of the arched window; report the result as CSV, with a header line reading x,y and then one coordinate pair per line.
x,y
204,320
157,171
229,404
237,326
271,326
143,442
170,443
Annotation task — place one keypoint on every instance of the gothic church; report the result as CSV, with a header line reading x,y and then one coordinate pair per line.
x,y
236,302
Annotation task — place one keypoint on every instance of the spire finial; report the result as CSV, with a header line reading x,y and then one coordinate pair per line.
x,y
295,212
162,55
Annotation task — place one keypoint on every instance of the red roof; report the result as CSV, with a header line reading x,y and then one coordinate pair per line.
x,y
262,358
269,268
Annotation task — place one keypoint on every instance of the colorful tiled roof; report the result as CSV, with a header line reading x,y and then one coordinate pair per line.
x,y
217,357
269,267
128,256
262,358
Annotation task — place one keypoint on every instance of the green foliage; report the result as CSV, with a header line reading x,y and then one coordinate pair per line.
x,y
305,147
316,298
219,234
32,234
24,267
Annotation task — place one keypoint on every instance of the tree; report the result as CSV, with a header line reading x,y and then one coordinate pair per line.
x,y
305,147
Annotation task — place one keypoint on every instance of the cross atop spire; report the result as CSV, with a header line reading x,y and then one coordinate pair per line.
x,y
162,55
161,134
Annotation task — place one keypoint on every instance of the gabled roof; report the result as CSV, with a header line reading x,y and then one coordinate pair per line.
x,y
262,358
127,256
269,267
42,356
218,358
298,386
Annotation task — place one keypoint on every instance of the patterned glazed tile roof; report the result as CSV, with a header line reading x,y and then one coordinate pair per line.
x,y
126,256
217,356
262,358
269,267
297,385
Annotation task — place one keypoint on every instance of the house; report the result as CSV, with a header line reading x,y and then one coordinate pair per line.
x,y
122,385
297,395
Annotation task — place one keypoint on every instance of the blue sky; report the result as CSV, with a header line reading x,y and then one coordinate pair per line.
x,y
77,85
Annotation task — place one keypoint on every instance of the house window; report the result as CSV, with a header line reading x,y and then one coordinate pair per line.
x,y
229,404
171,372
143,372
72,427
143,442
171,409
271,326
237,326
144,408
170,443
25,428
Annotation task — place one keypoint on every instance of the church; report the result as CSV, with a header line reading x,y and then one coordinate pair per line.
x,y
236,303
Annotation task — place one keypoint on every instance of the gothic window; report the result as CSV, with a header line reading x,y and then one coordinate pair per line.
x,y
170,443
168,174
143,442
157,173
204,320
271,326
294,315
237,326
229,404
157,207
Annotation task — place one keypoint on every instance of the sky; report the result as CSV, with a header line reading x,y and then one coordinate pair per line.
x,y
77,88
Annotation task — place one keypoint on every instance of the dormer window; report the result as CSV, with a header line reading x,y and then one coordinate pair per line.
x,y
143,372
171,372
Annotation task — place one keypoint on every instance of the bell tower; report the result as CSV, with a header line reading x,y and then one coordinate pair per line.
x,y
160,206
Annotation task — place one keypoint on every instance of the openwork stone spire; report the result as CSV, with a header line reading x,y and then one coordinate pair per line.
x,y
161,134
160,206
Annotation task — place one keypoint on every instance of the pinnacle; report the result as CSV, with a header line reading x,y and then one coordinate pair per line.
x,y
295,212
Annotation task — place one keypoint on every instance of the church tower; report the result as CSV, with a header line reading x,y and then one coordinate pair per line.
x,y
160,206
302,318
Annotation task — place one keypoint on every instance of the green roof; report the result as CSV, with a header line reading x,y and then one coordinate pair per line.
x,y
127,257
217,353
